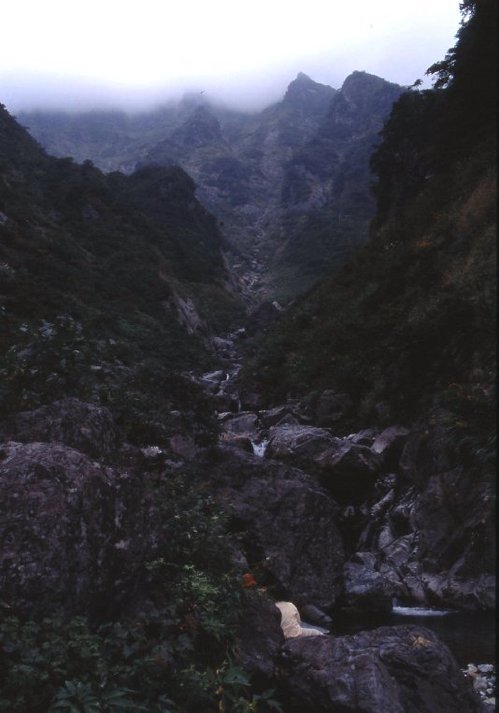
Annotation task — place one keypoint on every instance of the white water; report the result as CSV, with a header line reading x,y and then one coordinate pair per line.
x,y
259,449
420,611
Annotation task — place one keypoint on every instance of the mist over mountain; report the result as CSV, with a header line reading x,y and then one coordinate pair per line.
x,y
299,166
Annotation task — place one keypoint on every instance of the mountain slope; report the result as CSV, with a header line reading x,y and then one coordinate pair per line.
x,y
101,274
406,326
289,184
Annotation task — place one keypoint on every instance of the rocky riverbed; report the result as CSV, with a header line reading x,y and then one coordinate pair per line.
x,y
336,523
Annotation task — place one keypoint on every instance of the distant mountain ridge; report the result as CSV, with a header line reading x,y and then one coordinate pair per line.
x,y
289,184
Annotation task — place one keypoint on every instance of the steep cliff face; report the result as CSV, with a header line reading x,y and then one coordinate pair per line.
x,y
289,185
326,190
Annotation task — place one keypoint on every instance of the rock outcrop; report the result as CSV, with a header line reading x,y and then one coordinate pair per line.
x,y
88,428
286,524
73,533
402,669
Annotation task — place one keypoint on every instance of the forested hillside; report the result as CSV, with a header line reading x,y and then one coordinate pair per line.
x,y
407,325
106,281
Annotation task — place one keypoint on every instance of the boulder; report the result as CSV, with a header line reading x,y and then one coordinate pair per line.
x,y
389,444
183,445
72,532
272,416
242,424
286,522
365,437
365,589
349,470
396,669
237,441
86,427
316,616
304,442
259,635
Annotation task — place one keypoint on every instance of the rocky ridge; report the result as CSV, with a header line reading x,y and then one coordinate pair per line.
x,y
289,185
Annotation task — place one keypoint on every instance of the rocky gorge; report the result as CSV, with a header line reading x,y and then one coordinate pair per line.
x,y
214,504
338,525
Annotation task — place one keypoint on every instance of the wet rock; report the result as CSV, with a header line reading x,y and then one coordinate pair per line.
x,y
398,669
237,441
365,437
72,532
244,423
389,444
316,616
86,427
305,442
286,523
272,416
365,589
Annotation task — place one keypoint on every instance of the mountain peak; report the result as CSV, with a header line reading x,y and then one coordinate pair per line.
x,y
305,94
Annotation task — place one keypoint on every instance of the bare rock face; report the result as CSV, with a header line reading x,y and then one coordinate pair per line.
x,y
365,589
400,669
286,522
305,442
86,427
71,531
433,529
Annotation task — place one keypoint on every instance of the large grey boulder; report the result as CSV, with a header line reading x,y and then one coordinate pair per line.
x,y
399,669
242,424
286,521
304,442
365,589
72,532
84,426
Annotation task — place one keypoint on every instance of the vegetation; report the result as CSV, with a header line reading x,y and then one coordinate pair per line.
x,y
408,322
92,270
176,654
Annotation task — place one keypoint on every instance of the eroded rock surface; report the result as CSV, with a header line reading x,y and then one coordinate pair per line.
x,y
402,669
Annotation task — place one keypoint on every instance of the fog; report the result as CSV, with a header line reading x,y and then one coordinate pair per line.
x,y
131,55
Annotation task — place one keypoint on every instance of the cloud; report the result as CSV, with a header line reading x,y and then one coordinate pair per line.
x,y
130,52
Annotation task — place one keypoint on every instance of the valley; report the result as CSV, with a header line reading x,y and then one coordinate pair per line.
x,y
247,373
289,185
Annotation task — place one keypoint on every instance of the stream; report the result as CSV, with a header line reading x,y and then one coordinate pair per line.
x,y
469,635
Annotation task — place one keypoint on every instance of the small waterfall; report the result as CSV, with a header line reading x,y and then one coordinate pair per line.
x,y
259,449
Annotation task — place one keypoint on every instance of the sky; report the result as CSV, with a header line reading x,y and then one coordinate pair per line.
x,y
133,54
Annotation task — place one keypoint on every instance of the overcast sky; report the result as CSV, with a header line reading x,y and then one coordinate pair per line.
x,y
75,53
